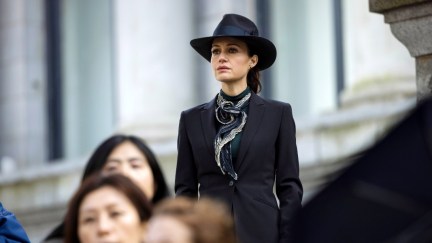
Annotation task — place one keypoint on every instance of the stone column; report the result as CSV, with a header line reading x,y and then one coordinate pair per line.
x,y
23,115
411,23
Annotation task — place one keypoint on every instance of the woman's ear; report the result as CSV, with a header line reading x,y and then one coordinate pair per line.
x,y
253,61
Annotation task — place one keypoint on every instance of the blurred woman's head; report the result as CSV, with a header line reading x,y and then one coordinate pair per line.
x,y
107,208
185,220
130,156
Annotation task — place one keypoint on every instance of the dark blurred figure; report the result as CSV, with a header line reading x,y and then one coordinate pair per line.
x,y
107,208
130,156
11,229
385,196
184,220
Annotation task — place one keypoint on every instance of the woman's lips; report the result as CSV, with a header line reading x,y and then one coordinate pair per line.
x,y
223,68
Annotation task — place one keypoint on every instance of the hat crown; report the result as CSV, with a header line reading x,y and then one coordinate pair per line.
x,y
235,25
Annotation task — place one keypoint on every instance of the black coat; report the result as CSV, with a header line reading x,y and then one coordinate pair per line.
x,y
267,152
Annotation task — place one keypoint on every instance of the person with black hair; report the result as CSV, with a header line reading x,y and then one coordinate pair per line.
x,y
128,155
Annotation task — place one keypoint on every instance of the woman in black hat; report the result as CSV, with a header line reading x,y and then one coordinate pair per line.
x,y
238,146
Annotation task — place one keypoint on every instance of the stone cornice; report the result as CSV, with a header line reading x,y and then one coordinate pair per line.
x,y
381,6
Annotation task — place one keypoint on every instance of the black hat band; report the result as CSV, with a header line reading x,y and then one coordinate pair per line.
x,y
233,31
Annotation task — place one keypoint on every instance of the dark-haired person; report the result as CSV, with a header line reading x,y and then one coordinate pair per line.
x,y
130,156
107,208
238,146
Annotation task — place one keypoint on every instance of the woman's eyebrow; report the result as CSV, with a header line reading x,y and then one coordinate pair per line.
x,y
113,160
229,44
135,159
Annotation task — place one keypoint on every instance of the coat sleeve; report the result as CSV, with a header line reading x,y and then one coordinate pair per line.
x,y
186,181
10,228
288,186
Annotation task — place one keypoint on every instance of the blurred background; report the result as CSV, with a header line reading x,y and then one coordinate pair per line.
x,y
73,72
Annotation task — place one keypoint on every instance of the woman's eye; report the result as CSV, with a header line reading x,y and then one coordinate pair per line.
x,y
136,163
111,169
232,50
136,166
115,214
88,220
215,51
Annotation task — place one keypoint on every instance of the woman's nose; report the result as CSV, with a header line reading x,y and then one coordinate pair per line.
x,y
222,57
104,226
124,170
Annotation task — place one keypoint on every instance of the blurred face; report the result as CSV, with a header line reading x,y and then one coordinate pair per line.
x,y
167,229
107,215
230,60
128,160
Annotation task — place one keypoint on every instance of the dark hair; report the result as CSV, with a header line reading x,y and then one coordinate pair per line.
x,y
98,159
120,183
253,76
253,80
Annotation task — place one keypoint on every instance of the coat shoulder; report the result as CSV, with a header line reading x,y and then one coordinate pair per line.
x,y
198,108
194,109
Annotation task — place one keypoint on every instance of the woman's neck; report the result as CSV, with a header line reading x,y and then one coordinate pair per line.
x,y
233,90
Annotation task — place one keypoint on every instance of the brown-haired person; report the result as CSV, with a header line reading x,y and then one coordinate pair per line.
x,y
239,146
184,220
107,208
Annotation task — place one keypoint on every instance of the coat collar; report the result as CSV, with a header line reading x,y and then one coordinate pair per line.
x,y
208,124
255,114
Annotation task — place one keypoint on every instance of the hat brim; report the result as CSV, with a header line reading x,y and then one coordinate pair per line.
x,y
260,46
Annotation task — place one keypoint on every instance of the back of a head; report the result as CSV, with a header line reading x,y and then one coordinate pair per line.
x,y
209,220
214,222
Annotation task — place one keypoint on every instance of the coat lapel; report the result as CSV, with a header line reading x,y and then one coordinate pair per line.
x,y
255,114
208,124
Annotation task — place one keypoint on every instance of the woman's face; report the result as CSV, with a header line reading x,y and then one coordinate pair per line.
x,y
128,160
168,229
230,60
107,215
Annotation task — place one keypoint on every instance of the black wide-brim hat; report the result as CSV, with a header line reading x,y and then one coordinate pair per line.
x,y
237,26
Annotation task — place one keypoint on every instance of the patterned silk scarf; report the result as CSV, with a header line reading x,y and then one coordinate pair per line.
x,y
232,120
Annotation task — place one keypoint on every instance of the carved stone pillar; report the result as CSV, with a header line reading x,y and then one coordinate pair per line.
x,y
411,23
